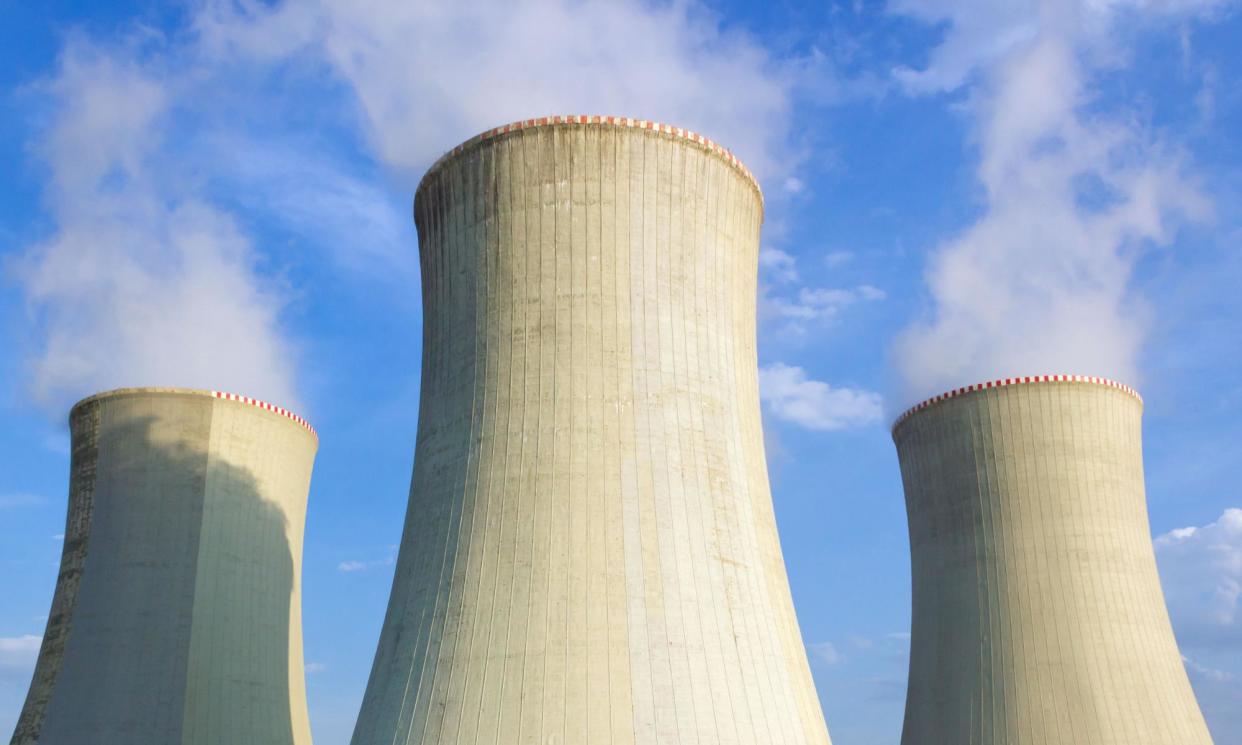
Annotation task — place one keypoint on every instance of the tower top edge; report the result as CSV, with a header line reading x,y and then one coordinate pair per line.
x,y
1015,381
594,120
221,395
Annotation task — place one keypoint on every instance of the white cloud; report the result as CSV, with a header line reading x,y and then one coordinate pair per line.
x,y
1205,98
142,282
826,652
871,292
314,667
428,76
834,259
793,397
20,499
1203,671
783,299
362,227
778,265
19,652
1201,572
1040,283
356,565
986,35
861,642
816,303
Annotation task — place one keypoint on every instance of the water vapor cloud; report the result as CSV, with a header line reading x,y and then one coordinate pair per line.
x,y
1072,195
428,75
142,281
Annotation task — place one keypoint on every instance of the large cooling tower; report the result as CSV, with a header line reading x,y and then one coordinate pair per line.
x,y
590,554
1038,615
177,613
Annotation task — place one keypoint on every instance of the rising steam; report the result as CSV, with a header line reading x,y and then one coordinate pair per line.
x,y
141,282
1040,283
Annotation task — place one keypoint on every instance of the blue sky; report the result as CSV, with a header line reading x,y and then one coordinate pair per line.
x,y
216,194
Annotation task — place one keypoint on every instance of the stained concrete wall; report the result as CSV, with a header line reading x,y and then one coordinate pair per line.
x,y
1037,610
590,553
177,614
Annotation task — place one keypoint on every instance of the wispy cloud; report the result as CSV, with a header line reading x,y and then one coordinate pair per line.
x,y
1203,671
428,76
15,500
358,565
791,396
349,217
820,303
18,653
142,282
826,653
1041,281
834,259
777,265
785,300
871,675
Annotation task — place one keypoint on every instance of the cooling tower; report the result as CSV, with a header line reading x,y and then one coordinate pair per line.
x,y
590,553
1037,611
177,612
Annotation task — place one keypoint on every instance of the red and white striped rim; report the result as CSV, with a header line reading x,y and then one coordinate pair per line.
x,y
1003,382
607,121
266,407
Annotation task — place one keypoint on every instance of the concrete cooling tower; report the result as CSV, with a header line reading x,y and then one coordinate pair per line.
x,y
590,553
1037,611
177,612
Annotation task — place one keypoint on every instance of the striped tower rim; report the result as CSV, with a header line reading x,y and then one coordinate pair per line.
x,y
1004,382
620,122
266,407
222,395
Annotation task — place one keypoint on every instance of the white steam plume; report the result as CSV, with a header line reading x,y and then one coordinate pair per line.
x,y
141,282
1040,283
429,75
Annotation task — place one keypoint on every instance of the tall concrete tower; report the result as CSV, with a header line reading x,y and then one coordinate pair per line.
x,y
590,553
1038,615
177,616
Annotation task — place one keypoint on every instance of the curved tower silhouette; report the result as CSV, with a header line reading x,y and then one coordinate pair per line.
x,y
590,553
177,617
1038,615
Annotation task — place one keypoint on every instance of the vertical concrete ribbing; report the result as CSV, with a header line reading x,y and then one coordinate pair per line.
x,y
183,560
606,563
84,459
1037,614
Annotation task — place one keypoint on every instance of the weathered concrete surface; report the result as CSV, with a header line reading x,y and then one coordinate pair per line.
x,y
590,553
1038,615
177,614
